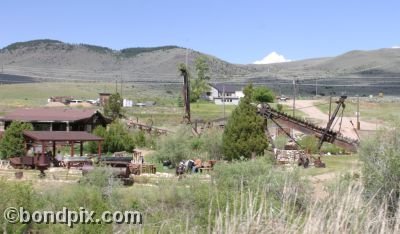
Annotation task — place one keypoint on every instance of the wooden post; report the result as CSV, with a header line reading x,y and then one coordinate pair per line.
x,y
99,149
43,148
72,148
26,147
54,149
81,148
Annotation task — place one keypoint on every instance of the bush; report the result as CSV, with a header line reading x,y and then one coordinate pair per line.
x,y
116,138
16,195
309,144
12,143
175,147
279,107
380,168
263,94
211,143
280,141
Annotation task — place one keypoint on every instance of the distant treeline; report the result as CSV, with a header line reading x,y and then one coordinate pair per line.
x,y
128,52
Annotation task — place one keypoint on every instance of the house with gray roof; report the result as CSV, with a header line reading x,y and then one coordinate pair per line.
x,y
228,94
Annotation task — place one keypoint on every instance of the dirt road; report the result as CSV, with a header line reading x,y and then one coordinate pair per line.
x,y
347,129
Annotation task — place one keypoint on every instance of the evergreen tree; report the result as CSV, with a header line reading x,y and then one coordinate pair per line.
x,y
12,143
244,132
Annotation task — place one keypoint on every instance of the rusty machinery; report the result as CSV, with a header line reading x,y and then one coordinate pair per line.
x,y
324,134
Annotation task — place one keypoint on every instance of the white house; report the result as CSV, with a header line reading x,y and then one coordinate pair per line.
x,y
229,94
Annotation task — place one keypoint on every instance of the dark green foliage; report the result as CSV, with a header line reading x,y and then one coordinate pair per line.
x,y
17,195
12,143
97,49
183,145
202,68
309,144
113,108
263,94
175,147
279,107
140,139
179,101
244,132
101,132
197,88
116,138
32,43
131,52
380,168
199,85
331,148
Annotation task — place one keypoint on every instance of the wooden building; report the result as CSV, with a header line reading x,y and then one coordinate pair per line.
x,y
57,119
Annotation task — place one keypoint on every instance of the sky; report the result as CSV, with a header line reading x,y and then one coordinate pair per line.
x,y
241,31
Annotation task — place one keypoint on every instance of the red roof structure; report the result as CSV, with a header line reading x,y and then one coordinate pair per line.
x,y
61,136
44,137
49,115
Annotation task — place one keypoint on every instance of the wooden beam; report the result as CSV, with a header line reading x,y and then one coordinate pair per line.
x,y
54,149
72,148
99,149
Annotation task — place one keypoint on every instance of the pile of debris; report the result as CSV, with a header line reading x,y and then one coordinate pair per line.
x,y
289,156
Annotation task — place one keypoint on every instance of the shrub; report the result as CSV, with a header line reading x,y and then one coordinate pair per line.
x,y
12,143
280,141
279,107
175,147
309,144
16,195
263,94
212,143
381,163
116,138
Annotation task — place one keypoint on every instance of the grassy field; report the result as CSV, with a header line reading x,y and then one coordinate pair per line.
x,y
369,111
334,164
164,113
36,94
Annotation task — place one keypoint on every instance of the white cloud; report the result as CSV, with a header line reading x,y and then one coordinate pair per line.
x,y
273,57
396,47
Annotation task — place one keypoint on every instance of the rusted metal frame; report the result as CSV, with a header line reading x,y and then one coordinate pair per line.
x,y
329,124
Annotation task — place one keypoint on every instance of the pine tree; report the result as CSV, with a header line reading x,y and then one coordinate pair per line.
x,y
244,132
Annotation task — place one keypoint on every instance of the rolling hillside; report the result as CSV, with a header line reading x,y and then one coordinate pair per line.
x,y
52,60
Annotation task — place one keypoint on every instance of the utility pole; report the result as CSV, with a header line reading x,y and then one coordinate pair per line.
x,y
223,97
122,81
186,94
187,57
358,112
294,97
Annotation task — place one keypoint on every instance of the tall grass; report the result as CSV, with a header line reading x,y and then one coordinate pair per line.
x,y
341,212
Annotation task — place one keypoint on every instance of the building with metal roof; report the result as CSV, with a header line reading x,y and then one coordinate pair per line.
x,y
57,119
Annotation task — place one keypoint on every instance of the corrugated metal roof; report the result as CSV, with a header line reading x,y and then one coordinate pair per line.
x,y
61,136
49,114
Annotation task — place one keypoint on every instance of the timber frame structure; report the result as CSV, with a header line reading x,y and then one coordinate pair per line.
x,y
324,134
